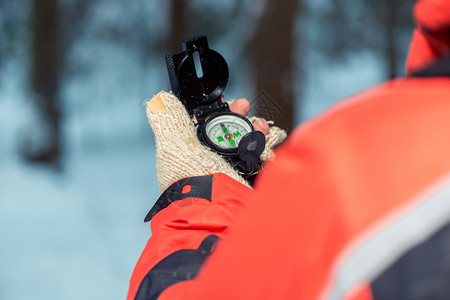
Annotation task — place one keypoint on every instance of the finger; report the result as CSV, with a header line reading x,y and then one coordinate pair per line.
x,y
168,117
156,104
275,136
240,106
262,126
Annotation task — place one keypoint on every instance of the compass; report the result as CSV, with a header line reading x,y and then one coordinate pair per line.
x,y
198,76
223,132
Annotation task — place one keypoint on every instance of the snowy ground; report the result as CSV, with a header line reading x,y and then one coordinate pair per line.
x,y
75,234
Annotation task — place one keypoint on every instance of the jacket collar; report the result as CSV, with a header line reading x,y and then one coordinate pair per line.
x,y
438,69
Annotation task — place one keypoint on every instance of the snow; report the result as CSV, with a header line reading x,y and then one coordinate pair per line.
x,y
328,82
74,234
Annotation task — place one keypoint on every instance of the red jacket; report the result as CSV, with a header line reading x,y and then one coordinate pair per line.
x,y
322,219
356,205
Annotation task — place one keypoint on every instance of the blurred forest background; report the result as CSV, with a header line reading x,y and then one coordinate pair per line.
x,y
77,169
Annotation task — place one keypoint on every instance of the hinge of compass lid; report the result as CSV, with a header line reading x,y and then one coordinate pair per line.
x,y
202,112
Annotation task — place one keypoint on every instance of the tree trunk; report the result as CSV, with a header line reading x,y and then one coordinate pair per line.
x,y
391,50
272,50
45,79
179,25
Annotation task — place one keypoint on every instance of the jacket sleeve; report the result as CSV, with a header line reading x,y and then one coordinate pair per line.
x,y
348,206
186,222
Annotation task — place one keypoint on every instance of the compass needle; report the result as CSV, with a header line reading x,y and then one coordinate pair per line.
x,y
232,143
223,127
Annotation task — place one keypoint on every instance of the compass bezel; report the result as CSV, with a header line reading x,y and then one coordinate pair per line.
x,y
224,151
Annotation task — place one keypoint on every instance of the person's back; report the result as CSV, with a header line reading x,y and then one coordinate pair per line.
x,y
356,201
356,204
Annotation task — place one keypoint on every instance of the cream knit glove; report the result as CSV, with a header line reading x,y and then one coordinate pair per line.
x,y
179,153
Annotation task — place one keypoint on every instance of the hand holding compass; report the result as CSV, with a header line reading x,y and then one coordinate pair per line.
x,y
181,153
198,76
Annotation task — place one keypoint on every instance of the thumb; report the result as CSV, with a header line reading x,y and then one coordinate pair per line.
x,y
169,119
179,153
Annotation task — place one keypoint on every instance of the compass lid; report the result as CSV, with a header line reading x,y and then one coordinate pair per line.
x,y
198,75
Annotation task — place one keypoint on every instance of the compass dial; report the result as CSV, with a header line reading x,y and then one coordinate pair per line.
x,y
225,131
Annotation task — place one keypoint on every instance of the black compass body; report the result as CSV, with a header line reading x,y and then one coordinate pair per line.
x,y
198,76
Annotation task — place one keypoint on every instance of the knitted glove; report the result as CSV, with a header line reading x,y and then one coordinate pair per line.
x,y
179,153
